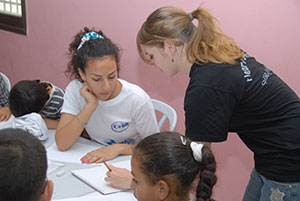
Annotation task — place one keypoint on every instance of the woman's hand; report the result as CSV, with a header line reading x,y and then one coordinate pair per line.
x,y
119,177
4,114
102,154
88,95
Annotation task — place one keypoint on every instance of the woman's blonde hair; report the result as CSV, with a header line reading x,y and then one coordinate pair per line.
x,y
204,43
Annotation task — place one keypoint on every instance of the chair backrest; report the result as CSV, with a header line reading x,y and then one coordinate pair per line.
x,y
167,112
6,80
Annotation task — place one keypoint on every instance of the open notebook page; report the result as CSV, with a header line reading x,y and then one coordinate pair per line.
x,y
94,176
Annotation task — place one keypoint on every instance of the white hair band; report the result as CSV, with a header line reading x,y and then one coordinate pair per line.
x,y
197,151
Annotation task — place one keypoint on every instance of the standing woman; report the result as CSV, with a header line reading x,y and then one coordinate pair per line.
x,y
109,110
229,91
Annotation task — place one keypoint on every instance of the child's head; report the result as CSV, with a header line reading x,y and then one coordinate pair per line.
x,y
46,85
27,96
164,168
89,45
23,167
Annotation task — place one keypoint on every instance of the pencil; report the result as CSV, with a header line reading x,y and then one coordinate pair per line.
x,y
107,166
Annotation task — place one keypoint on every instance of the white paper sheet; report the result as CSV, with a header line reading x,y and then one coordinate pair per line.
x,y
124,196
95,176
52,165
72,155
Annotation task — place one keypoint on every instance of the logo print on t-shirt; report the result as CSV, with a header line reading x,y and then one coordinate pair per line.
x,y
126,141
119,126
245,69
265,76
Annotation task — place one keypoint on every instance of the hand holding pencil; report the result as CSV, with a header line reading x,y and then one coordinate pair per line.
x,y
107,166
119,177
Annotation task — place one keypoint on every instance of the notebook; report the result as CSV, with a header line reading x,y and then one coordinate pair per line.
x,y
94,177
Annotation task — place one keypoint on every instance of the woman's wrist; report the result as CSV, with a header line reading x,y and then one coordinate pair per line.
x,y
83,124
125,149
91,106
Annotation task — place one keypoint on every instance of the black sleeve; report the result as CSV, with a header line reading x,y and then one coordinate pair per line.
x,y
207,113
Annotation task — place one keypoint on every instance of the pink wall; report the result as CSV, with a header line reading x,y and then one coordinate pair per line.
x,y
268,30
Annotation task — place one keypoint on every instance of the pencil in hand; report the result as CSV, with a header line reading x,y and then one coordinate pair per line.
x,y
107,166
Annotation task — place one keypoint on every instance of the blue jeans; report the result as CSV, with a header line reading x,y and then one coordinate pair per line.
x,y
262,189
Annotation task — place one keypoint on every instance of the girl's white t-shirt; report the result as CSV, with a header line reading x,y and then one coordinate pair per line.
x,y
127,118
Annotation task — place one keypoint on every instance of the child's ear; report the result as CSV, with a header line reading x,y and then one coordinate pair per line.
x,y
49,88
47,195
163,189
82,74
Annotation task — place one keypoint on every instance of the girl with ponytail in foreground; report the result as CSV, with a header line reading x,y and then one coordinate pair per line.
x,y
166,165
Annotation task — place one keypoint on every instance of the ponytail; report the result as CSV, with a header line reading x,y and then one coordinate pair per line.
x,y
209,44
204,43
208,177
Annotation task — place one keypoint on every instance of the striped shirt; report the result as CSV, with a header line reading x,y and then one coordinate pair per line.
x,y
3,93
53,108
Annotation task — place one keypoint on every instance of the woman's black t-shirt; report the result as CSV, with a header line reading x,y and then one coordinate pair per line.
x,y
251,100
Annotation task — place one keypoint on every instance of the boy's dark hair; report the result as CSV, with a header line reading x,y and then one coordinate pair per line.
x,y
44,84
164,156
91,49
26,97
23,166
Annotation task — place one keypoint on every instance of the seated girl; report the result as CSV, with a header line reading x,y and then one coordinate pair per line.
x,y
168,173
98,105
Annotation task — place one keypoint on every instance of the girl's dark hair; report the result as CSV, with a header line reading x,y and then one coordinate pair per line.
x,y
91,49
164,156
27,96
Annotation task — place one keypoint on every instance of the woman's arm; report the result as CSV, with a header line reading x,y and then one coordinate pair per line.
x,y
70,127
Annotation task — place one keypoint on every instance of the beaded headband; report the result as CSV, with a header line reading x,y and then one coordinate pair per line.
x,y
86,37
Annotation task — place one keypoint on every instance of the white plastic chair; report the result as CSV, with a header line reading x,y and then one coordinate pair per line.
x,y
167,111
6,80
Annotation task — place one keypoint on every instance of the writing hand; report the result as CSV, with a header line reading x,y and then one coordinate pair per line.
x,y
119,177
102,154
4,114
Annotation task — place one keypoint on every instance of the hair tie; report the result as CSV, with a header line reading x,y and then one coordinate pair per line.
x,y
87,37
197,151
183,140
191,16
